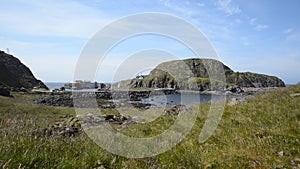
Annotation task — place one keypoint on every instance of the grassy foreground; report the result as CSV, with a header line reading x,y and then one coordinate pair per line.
x,y
264,133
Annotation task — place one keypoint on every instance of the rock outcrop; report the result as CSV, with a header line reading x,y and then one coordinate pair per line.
x,y
249,79
15,75
198,77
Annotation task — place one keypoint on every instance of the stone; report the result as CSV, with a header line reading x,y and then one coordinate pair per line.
x,y
109,117
23,89
297,161
175,110
4,91
235,89
295,94
120,118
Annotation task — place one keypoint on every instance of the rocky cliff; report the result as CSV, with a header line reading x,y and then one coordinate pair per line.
x,y
198,77
15,75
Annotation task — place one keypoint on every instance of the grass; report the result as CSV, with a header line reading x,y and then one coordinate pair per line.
x,y
248,136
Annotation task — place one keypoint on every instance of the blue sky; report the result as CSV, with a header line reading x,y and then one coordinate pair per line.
x,y
48,36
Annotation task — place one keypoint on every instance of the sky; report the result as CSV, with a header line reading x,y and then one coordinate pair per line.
x,y
48,36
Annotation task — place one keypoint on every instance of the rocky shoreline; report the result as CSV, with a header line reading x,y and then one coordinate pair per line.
x,y
104,99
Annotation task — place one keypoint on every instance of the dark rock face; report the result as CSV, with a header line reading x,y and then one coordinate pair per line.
x,y
16,75
199,78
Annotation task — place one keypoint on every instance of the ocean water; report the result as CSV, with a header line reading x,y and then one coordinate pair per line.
x,y
183,98
54,85
57,85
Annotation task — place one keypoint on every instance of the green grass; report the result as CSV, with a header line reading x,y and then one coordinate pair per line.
x,y
248,136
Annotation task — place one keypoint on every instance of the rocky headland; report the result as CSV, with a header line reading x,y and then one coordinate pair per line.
x,y
15,76
198,78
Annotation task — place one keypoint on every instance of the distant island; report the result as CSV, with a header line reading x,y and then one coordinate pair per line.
x,y
81,84
162,79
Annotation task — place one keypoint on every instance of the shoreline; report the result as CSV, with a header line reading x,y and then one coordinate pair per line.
x,y
65,98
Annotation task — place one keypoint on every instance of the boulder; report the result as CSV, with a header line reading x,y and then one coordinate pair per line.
x,y
175,110
4,91
235,89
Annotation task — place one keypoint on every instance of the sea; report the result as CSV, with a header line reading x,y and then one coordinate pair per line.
x,y
181,98
54,85
57,85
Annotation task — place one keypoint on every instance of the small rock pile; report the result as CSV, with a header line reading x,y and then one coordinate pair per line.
x,y
176,109
237,100
74,127
70,127
96,120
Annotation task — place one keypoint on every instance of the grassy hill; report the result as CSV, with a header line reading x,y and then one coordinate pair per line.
x,y
194,74
263,133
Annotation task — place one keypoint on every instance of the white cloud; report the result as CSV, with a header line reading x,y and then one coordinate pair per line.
x,y
206,19
260,27
228,7
183,8
257,26
49,18
252,21
288,30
